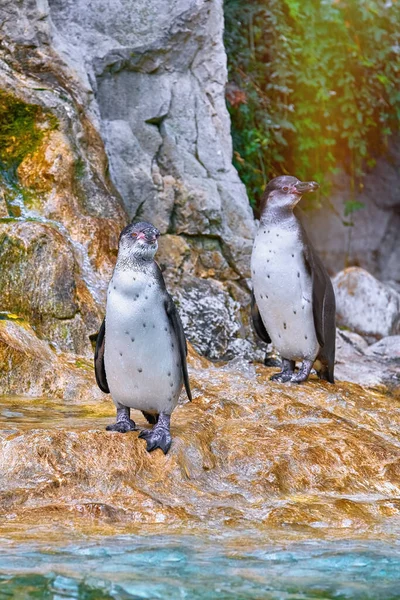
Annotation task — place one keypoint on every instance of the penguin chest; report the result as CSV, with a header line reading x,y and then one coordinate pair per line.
x,y
283,291
141,357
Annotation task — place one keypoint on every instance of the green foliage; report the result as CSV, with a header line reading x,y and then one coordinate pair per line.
x,y
313,85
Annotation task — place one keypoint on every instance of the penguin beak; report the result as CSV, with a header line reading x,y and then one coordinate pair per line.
x,y
302,187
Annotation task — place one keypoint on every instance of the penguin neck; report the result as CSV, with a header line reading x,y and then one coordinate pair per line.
x,y
278,215
129,261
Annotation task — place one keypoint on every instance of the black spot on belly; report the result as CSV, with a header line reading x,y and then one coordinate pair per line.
x,y
268,230
146,297
254,272
264,231
279,335
165,328
137,295
132,339
120,353
277,235
267,259
294,312
140,369
261,296
171,384
170,399
298,274
172,345
305,337
284,326
292,255
268,276
126,332
169,373
115,287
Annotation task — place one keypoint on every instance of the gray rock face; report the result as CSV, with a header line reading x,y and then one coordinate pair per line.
x,y
149,77
377,365
372,242
365,305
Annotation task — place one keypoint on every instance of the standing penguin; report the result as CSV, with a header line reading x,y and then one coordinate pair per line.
x,y
141,350
293,304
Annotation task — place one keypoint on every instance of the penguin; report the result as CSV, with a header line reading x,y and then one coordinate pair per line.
x,y
141,350
293,302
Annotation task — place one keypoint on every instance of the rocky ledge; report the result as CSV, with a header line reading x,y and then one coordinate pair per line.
x,y
246,452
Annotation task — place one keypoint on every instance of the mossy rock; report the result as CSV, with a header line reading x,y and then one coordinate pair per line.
x,y
22,127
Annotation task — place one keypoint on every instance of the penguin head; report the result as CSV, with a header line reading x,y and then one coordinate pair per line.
x,y
285,192
139,240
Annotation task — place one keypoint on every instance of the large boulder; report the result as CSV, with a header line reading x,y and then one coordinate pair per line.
x,y
150,83
365,305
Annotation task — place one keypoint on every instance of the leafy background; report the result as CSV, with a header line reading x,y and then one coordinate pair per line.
x,y
313,86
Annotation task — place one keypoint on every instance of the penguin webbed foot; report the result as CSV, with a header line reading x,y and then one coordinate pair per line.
x,y
287,371
159,436
122,426
303,372
281,377
124,423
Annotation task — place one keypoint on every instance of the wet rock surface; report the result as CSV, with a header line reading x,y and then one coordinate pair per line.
x,y
29,365
246,452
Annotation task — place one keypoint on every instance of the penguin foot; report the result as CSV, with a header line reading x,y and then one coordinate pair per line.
x,y
287,371
282,376
124,422
303,372
122,426
159,436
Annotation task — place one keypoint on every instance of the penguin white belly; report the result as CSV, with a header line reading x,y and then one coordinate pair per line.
x,y
283,291
141,357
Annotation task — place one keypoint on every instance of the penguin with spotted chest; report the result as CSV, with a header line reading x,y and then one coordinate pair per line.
x,y
293,302
140,355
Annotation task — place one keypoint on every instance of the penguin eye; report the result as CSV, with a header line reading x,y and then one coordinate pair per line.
x,y
285,189
134,234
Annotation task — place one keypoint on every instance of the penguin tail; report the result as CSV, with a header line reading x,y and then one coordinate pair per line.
x,y
325,372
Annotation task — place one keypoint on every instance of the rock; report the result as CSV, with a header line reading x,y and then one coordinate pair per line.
x,y
60,233
29,366
375,366
386,347
368,238
365,305
151,82
247,453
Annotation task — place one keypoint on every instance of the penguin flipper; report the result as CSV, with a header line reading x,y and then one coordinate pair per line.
x,y
324,307
177,326
99,368
258,322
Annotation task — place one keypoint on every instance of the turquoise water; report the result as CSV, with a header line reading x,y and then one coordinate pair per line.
x,y
157,567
